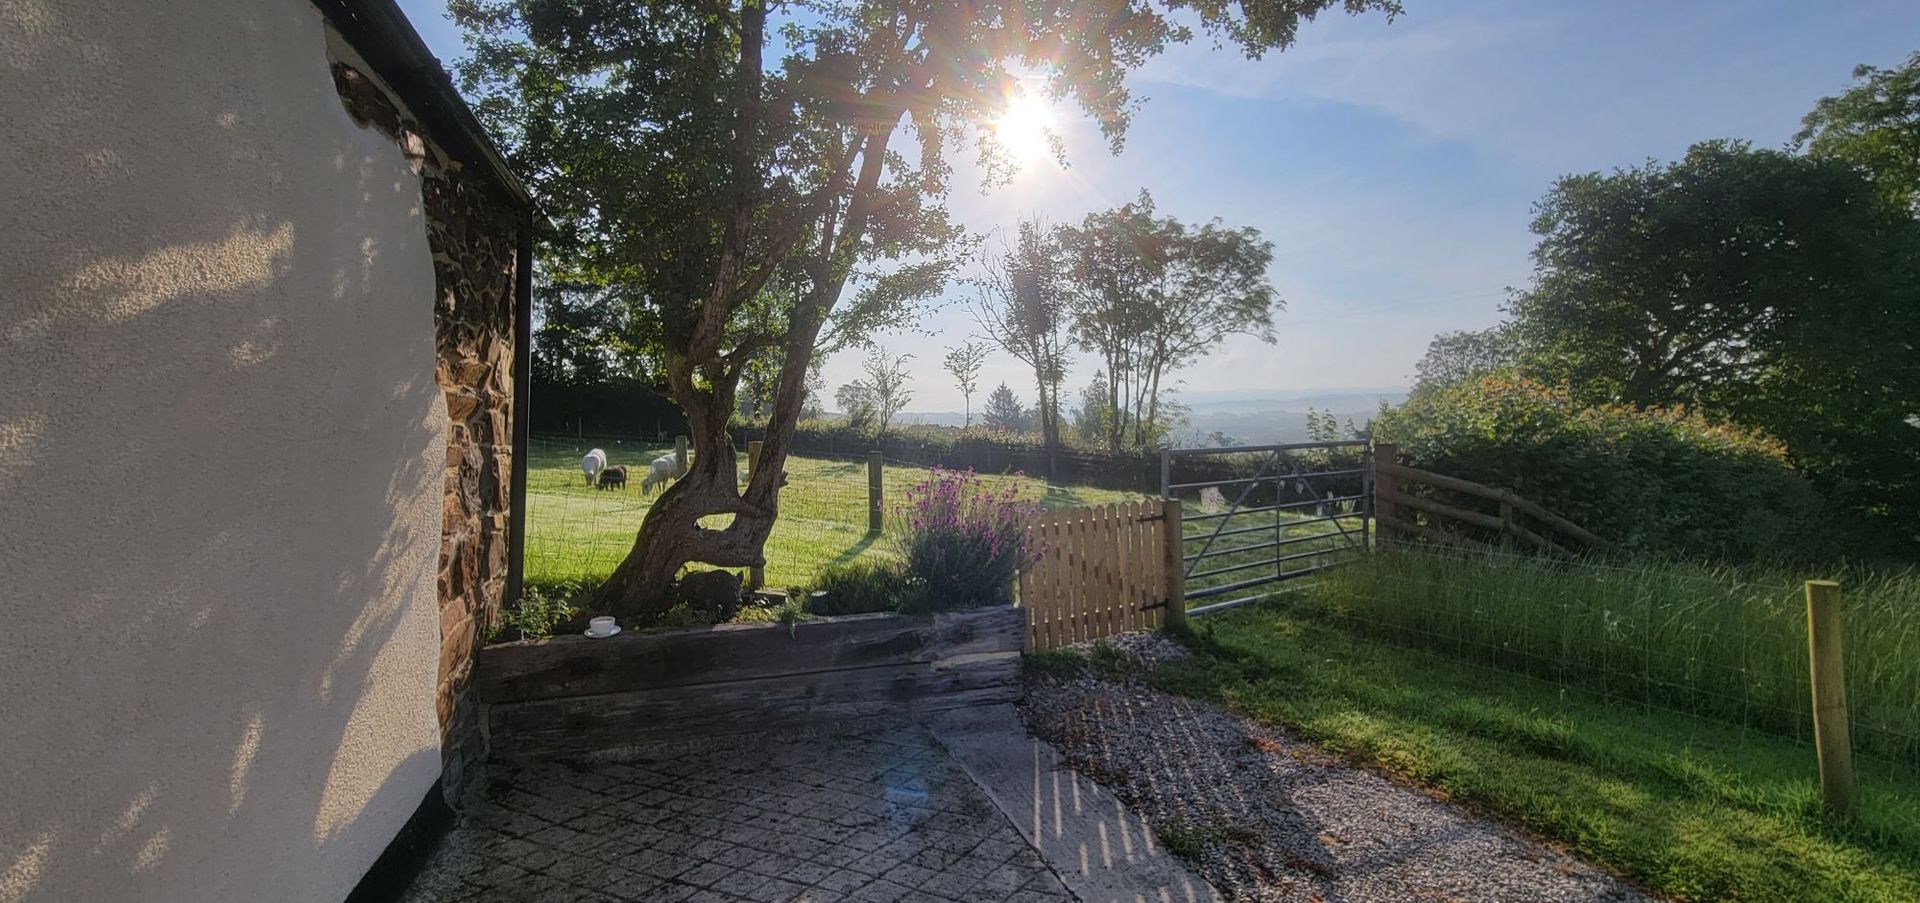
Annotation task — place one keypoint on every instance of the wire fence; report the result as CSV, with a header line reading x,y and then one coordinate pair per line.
x,y
578,533
1723,645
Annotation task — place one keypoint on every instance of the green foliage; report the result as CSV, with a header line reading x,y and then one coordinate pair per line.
x,y
1771,290
1094,419
861,586
1455,357
682,616
1184,838
1875,125
1664,480
1004,412
1149,294
790,613
1115,663
1022,308
876,398
963,361
1054,664
541,609
1690,809
965,542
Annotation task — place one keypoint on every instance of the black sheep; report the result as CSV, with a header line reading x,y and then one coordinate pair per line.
x,y
615,475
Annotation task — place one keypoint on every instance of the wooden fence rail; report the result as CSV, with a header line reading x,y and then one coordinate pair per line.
x,y
1389,503
1102,570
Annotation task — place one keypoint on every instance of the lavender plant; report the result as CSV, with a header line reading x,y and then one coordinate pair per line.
x,y
965,542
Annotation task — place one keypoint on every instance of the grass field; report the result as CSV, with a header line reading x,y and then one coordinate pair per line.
x,y
1726,643
577,533
1691,808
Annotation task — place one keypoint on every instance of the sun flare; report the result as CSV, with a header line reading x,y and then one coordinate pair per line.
x,y
1022,129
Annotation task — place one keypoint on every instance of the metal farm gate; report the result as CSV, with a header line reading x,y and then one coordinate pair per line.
x,y
1256,515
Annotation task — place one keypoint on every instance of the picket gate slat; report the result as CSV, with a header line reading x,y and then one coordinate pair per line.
x,y
1097,571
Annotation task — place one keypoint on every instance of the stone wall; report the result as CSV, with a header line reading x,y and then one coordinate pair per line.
x,y
473,234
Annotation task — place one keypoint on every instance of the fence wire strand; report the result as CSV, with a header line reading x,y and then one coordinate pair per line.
x,y
1709,645
577,533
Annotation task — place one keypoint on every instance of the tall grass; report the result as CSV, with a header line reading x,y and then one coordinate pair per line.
x,y
1724,643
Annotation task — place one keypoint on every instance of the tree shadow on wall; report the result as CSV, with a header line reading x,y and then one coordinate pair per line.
x,y
221,454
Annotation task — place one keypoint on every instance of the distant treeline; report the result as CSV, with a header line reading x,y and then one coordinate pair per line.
x,y
629,409
620,406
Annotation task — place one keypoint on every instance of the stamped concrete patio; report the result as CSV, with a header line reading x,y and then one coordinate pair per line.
x,y
885,813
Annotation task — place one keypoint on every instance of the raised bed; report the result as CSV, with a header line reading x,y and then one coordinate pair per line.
x,y
573,693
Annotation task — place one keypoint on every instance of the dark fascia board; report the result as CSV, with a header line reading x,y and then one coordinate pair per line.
x,y
380,33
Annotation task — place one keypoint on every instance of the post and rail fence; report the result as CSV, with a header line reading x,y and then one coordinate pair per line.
x,y
1400,514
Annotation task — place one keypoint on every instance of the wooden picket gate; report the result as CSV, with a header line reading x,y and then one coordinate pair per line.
x,y
1101,570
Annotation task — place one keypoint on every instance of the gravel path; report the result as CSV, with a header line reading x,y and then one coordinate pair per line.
x,y
1266,817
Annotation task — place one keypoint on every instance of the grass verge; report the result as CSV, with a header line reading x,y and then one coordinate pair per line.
x,y
1690,808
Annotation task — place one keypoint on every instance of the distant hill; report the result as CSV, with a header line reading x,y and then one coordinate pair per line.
x,y
1250,416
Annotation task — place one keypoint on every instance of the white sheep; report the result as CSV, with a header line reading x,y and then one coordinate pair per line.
x,y
658,473
592,464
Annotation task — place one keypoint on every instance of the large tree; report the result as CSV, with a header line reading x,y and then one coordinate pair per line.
x,y
1021,306
1774,290
1150,294
701,154
1875,125
1455,357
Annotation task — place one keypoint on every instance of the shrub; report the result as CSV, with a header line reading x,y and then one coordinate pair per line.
x,y
540,609
861,586
1664,480
964,543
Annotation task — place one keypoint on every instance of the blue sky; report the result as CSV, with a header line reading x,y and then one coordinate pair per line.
x,y
1394,165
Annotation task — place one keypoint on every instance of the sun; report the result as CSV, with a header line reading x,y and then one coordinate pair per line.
x,y
1023,128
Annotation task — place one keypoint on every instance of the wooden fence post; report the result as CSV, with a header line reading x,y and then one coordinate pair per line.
x,y
1832,739
1383,511
876,507
757,575
679,456
1174,549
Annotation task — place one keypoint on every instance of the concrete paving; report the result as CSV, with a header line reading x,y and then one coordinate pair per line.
x,y
879,814
1102,851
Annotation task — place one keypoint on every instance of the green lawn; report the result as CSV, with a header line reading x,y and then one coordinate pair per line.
x,y
575,532
1691,808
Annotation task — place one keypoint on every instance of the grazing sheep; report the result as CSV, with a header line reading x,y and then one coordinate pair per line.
x,y
658,473
614,476
592,464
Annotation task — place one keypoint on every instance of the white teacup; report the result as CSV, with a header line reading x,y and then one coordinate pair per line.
x,y
602,626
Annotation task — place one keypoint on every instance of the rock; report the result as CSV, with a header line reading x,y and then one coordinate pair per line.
x,y
713,592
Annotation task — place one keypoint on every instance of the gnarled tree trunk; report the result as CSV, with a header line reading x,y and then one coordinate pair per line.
x,y
671,537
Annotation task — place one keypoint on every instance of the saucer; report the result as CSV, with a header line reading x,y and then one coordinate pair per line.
x,y
601,636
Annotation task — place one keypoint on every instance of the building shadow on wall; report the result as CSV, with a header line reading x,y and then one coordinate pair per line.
x,y
221,452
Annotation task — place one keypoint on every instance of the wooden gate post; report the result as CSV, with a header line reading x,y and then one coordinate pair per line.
x,y
1832,739
757,575
679,456
1174,550
1383,511
876,508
